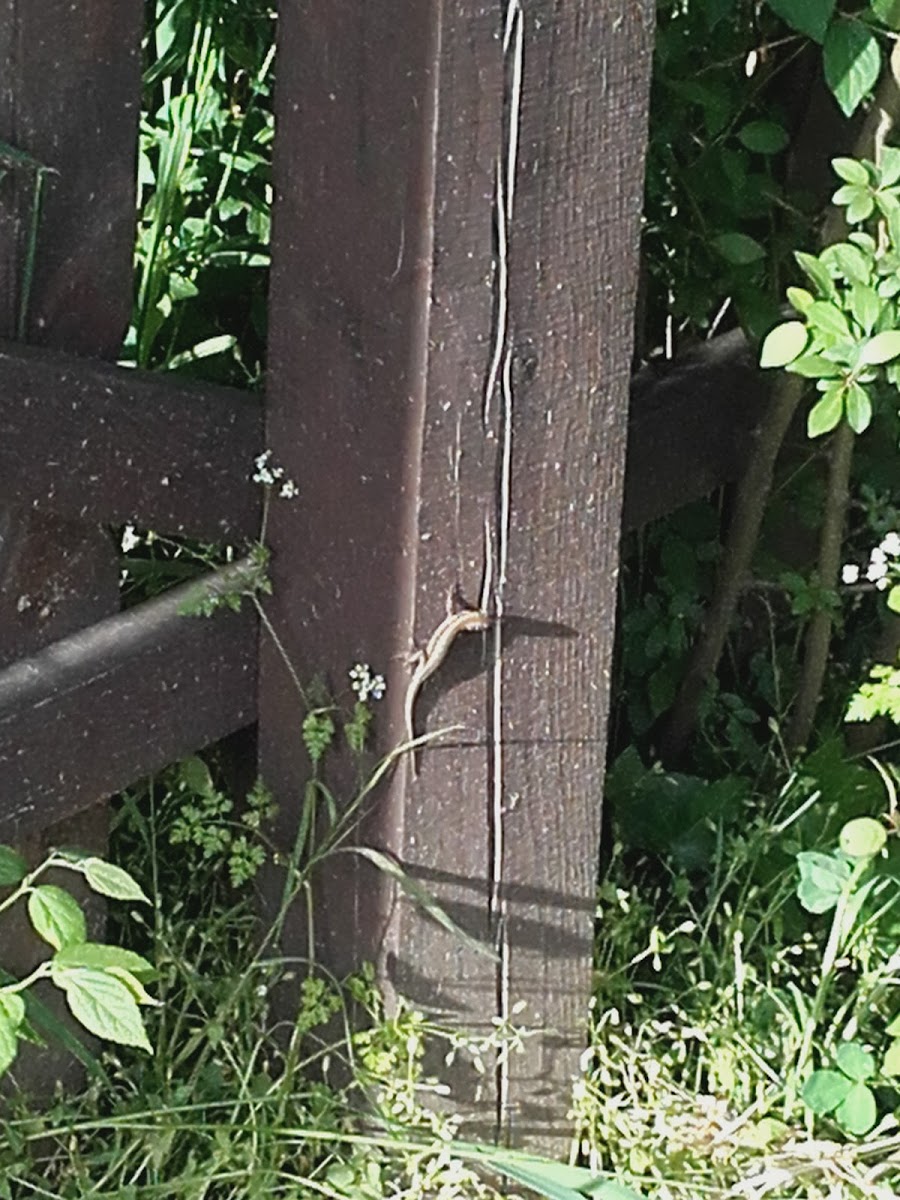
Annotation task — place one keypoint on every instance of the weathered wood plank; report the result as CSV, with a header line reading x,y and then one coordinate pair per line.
x,y
93,712
458,375
94,442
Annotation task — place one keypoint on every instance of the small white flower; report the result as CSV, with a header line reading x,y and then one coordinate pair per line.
x,y
877,569
850,573
365,684
129,539
890,544
882,583
288,490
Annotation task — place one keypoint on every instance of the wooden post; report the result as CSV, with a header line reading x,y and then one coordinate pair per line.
x,y
459,188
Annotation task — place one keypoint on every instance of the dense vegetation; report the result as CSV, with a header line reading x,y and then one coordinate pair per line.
x,y
745,1036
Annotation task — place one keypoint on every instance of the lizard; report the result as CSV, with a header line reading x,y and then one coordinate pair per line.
x,y
428,660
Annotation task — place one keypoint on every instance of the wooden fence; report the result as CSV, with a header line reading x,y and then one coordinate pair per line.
x,y
458,189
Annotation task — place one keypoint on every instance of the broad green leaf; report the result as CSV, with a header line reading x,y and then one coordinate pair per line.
x,y
814,271
799,298
865,306
822,880
111,881
829,318
764,137
856,1063
814,366
558,1181
862,837
890,1064
858,408
12,1015
101,957
783,344
849,261
739,248
890,159
887,11
858,1112
852,62
825,1090
56,916
809,17
826,414
13,867
893,598
881,348
103,1005
858,201
851,170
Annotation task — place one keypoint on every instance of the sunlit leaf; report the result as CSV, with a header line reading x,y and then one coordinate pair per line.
x,y
852,61
783,344
809,17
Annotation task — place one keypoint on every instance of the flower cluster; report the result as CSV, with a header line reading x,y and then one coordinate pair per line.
x,y
268,474
884,562
365,684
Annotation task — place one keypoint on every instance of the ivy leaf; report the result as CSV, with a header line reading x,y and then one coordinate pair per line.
x,y
739,248
783,344
852,60
858,408
103,1005
56,916
881,348
810,17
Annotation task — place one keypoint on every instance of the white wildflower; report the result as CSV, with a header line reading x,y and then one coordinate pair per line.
x,y
850,573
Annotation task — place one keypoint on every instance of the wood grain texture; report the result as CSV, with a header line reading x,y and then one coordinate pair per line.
x,y
390,302
93,712
90,441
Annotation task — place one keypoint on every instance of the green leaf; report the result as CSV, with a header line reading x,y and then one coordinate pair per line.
x,y
851,170
783,344
557,1181
764,137
890,163
859,202
890,1065
858,407
814,366
849,261
799,298
815,272
56,916
822,880
862,837
825,1090
887,11
856,1063
858,1112
826,414
111,881
809,17
103,1005
865,306
829,318
852,62
13,867
739,248
100,957
12,1014
893,598
881,348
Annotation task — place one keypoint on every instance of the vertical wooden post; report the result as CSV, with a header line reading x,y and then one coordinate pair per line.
x,y
69,99
459,189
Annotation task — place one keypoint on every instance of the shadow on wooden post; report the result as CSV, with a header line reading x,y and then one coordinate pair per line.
x,y
458,194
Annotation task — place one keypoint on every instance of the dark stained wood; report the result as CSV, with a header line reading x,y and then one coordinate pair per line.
x,y
90,441
91,713
71,84
389,300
